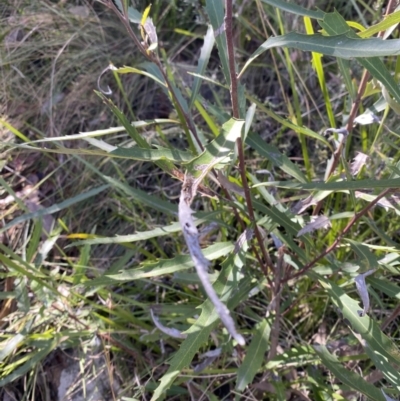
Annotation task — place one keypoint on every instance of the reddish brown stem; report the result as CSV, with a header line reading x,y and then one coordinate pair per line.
x,y
239,143
353,112
355,218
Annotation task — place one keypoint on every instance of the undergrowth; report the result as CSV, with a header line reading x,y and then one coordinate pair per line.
x,y
150,152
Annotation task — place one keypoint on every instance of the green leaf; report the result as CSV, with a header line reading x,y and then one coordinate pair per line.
x,y
318,67
219,150
251,111
364,326
387,287
335,24
341,46
140,196
386,23
134,15
33,360
294,357
295,9
216,13
153,75
163,266
255,355
34,242
346,376
272,154
156,232
107,131
202,64
283,220
56,207
366,259
153,72
288,124
337,185
136,153
391,374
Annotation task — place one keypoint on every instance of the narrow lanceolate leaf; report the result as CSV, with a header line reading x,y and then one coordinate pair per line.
x,y
132,70
251,111
346,376
387,287
275,156
216,13
56,207
391,374
135,153
341,46
366,327
143,197
140,236
134,15
365,258
388,22
318,67
165,165
334,24
336,185
143,154
202,64
255,355
163,266
220,150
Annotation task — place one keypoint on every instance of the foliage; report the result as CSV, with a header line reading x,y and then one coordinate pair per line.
x,y
297,214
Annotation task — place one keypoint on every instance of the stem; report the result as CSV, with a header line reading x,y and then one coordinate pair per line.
x,y
231,58
239,142
355,218
152,57
354,108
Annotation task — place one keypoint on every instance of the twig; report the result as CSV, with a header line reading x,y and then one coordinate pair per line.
x,y
355,218
153,57
231,58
